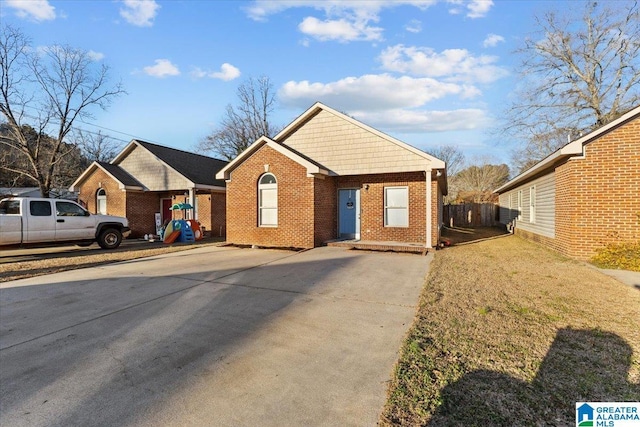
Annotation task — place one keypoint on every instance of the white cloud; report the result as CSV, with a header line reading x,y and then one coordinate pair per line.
x,y
163,68
139,12
479,8
344,20
380,92
414,26
454,65
340,30
95,56
419,121
261,9
227,72
35,10
390,103
492,40
474,8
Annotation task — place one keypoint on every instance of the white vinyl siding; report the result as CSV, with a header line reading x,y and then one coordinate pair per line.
x,y
396,206
538,215
532,204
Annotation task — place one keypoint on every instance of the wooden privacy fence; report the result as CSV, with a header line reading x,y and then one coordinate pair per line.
x,y
471,215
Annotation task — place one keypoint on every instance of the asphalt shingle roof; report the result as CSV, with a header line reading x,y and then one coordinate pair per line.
x,y
195,167
120,174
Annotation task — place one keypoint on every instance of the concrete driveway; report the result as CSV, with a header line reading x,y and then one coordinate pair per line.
x,y
211,336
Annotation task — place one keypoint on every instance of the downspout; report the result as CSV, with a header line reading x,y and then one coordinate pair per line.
x,y
428,207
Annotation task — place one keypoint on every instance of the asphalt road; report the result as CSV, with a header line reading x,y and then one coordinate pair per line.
x,y
211,336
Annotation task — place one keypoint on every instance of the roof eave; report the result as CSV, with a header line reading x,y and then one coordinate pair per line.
x,y
83,175
574,148
312,169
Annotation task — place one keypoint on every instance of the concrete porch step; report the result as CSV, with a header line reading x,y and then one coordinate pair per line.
x,y
370,245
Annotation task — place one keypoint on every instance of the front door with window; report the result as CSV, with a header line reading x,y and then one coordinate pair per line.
x,y
349,213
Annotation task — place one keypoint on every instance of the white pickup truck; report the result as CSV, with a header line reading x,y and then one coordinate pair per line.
x,y
26,221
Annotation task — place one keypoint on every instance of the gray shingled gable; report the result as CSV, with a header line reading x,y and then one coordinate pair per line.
x,y
120,174
195,167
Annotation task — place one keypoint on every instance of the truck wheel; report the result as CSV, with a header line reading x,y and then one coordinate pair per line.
x,y
110,238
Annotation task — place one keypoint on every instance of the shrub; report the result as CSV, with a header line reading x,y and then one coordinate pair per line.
x,y
621,256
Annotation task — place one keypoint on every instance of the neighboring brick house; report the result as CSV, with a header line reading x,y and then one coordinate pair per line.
x,y
583,196
145,179
327,176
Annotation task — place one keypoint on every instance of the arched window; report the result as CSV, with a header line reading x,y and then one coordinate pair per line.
x,y
101,201
267,201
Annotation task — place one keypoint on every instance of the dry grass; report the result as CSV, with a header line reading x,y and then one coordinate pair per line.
x,y
54,263
509,333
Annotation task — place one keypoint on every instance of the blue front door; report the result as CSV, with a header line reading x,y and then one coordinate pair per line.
x,y
349,213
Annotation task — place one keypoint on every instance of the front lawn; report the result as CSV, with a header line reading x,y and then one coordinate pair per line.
x,y
510,333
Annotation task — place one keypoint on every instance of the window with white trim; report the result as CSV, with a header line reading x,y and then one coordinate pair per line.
x,y
532,204
268,201
396,206
101,201
519,205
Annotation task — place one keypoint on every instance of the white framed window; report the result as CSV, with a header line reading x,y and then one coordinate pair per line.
x,y
101,201
268,201
519,205
396,206
532,204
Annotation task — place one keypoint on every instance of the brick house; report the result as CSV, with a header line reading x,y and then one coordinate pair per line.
x,y
583,196
328,176
145,179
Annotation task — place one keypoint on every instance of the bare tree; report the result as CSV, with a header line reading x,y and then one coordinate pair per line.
x,y
96,146
577,73
245,122
477,182
452,156
48,89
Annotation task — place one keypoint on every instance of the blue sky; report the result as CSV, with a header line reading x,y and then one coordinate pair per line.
x,y
427,72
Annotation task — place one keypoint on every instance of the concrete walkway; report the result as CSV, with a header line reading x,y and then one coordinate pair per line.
x,y
631,278
212,336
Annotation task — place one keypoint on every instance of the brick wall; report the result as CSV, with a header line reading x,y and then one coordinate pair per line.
x,y
116,204
140,211
372,205
598,197
140,207
295,202
325,210
205,204
218,215
307,207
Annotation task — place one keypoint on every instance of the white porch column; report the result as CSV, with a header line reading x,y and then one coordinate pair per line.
x,y
428,189
192,202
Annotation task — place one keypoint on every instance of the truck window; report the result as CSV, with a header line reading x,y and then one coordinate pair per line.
x,y
68,209
40,208
10,207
